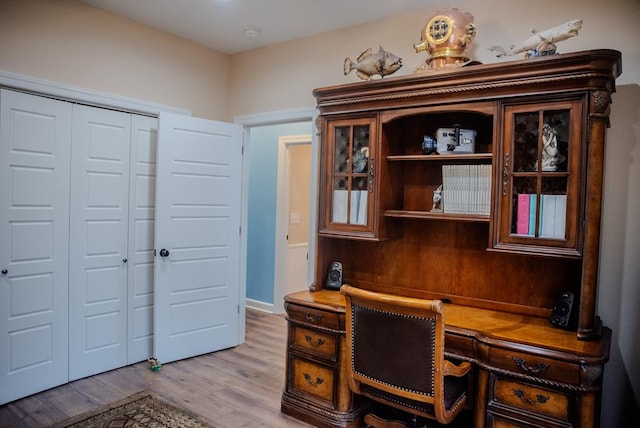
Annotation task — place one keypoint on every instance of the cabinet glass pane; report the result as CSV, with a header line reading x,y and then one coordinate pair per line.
x,y
350,175
555,141
524,202
553,207
539,215
360,149
359,200
525,144
339,211
341,149
545,145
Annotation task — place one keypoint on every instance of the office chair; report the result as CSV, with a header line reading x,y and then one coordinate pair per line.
x,y
396,348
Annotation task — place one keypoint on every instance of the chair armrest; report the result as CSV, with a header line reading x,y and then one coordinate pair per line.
x,y
451,369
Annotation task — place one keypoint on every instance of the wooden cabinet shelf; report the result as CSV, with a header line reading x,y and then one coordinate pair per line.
x,y
426,215
441,158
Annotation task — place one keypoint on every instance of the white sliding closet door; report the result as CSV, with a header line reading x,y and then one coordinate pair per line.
x,y
197,236
144,137
35,135
87,196
98,240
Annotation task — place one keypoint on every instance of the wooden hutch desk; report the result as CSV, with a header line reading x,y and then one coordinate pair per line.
x,y
500,276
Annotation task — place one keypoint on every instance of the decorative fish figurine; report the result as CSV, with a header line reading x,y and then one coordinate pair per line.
x,y
367,65
542,42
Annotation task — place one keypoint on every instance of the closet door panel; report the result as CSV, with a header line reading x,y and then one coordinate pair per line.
x,y
98,241
144,137
35,135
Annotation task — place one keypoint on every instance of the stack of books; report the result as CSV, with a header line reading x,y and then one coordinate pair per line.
x,y
466,189
553,213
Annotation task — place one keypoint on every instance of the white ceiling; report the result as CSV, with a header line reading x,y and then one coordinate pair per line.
x,y
221,24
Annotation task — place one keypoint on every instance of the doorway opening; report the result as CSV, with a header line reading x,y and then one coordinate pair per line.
x,y
292,217
261,140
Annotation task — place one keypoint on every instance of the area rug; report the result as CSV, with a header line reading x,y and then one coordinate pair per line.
x,y
141,410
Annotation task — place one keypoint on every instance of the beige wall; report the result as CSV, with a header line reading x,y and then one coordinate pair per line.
x,y
282,76
68,42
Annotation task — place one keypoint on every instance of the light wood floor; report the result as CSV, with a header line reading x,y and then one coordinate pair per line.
x,y
238,387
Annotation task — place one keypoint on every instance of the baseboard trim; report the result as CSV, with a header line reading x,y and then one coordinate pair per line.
x,y
259,306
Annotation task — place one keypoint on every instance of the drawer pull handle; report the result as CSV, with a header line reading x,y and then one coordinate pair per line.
x,y
313,318
311,382
315,344
538,368
540,399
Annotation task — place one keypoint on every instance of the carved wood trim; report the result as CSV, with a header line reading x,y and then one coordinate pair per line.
x,y
453,89
600,101
342,418
533,379
315,326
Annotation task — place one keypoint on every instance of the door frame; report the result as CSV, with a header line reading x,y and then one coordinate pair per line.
x,y
279,117
282,218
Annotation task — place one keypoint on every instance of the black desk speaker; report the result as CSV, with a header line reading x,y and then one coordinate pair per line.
x,y
334,276
561,315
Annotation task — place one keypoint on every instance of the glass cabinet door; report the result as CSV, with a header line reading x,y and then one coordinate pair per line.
x,y
349,176
541,164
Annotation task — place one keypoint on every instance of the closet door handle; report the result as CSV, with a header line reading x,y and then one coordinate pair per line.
x,y
164,253
4,271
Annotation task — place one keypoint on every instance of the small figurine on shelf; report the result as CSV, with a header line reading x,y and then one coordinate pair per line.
x,y
437,200
360,159
550,155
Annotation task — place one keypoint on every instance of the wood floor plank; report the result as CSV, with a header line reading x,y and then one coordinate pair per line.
x,y
236,387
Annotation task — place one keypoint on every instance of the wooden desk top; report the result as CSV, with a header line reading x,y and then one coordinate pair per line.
x,y
496,328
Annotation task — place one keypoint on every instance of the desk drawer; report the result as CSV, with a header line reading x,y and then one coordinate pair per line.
x,y
315,342
459,345
313,379
533,399
315,316
535,366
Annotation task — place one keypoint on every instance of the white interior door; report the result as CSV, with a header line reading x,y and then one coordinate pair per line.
x,y
98,240
34,243
197,267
